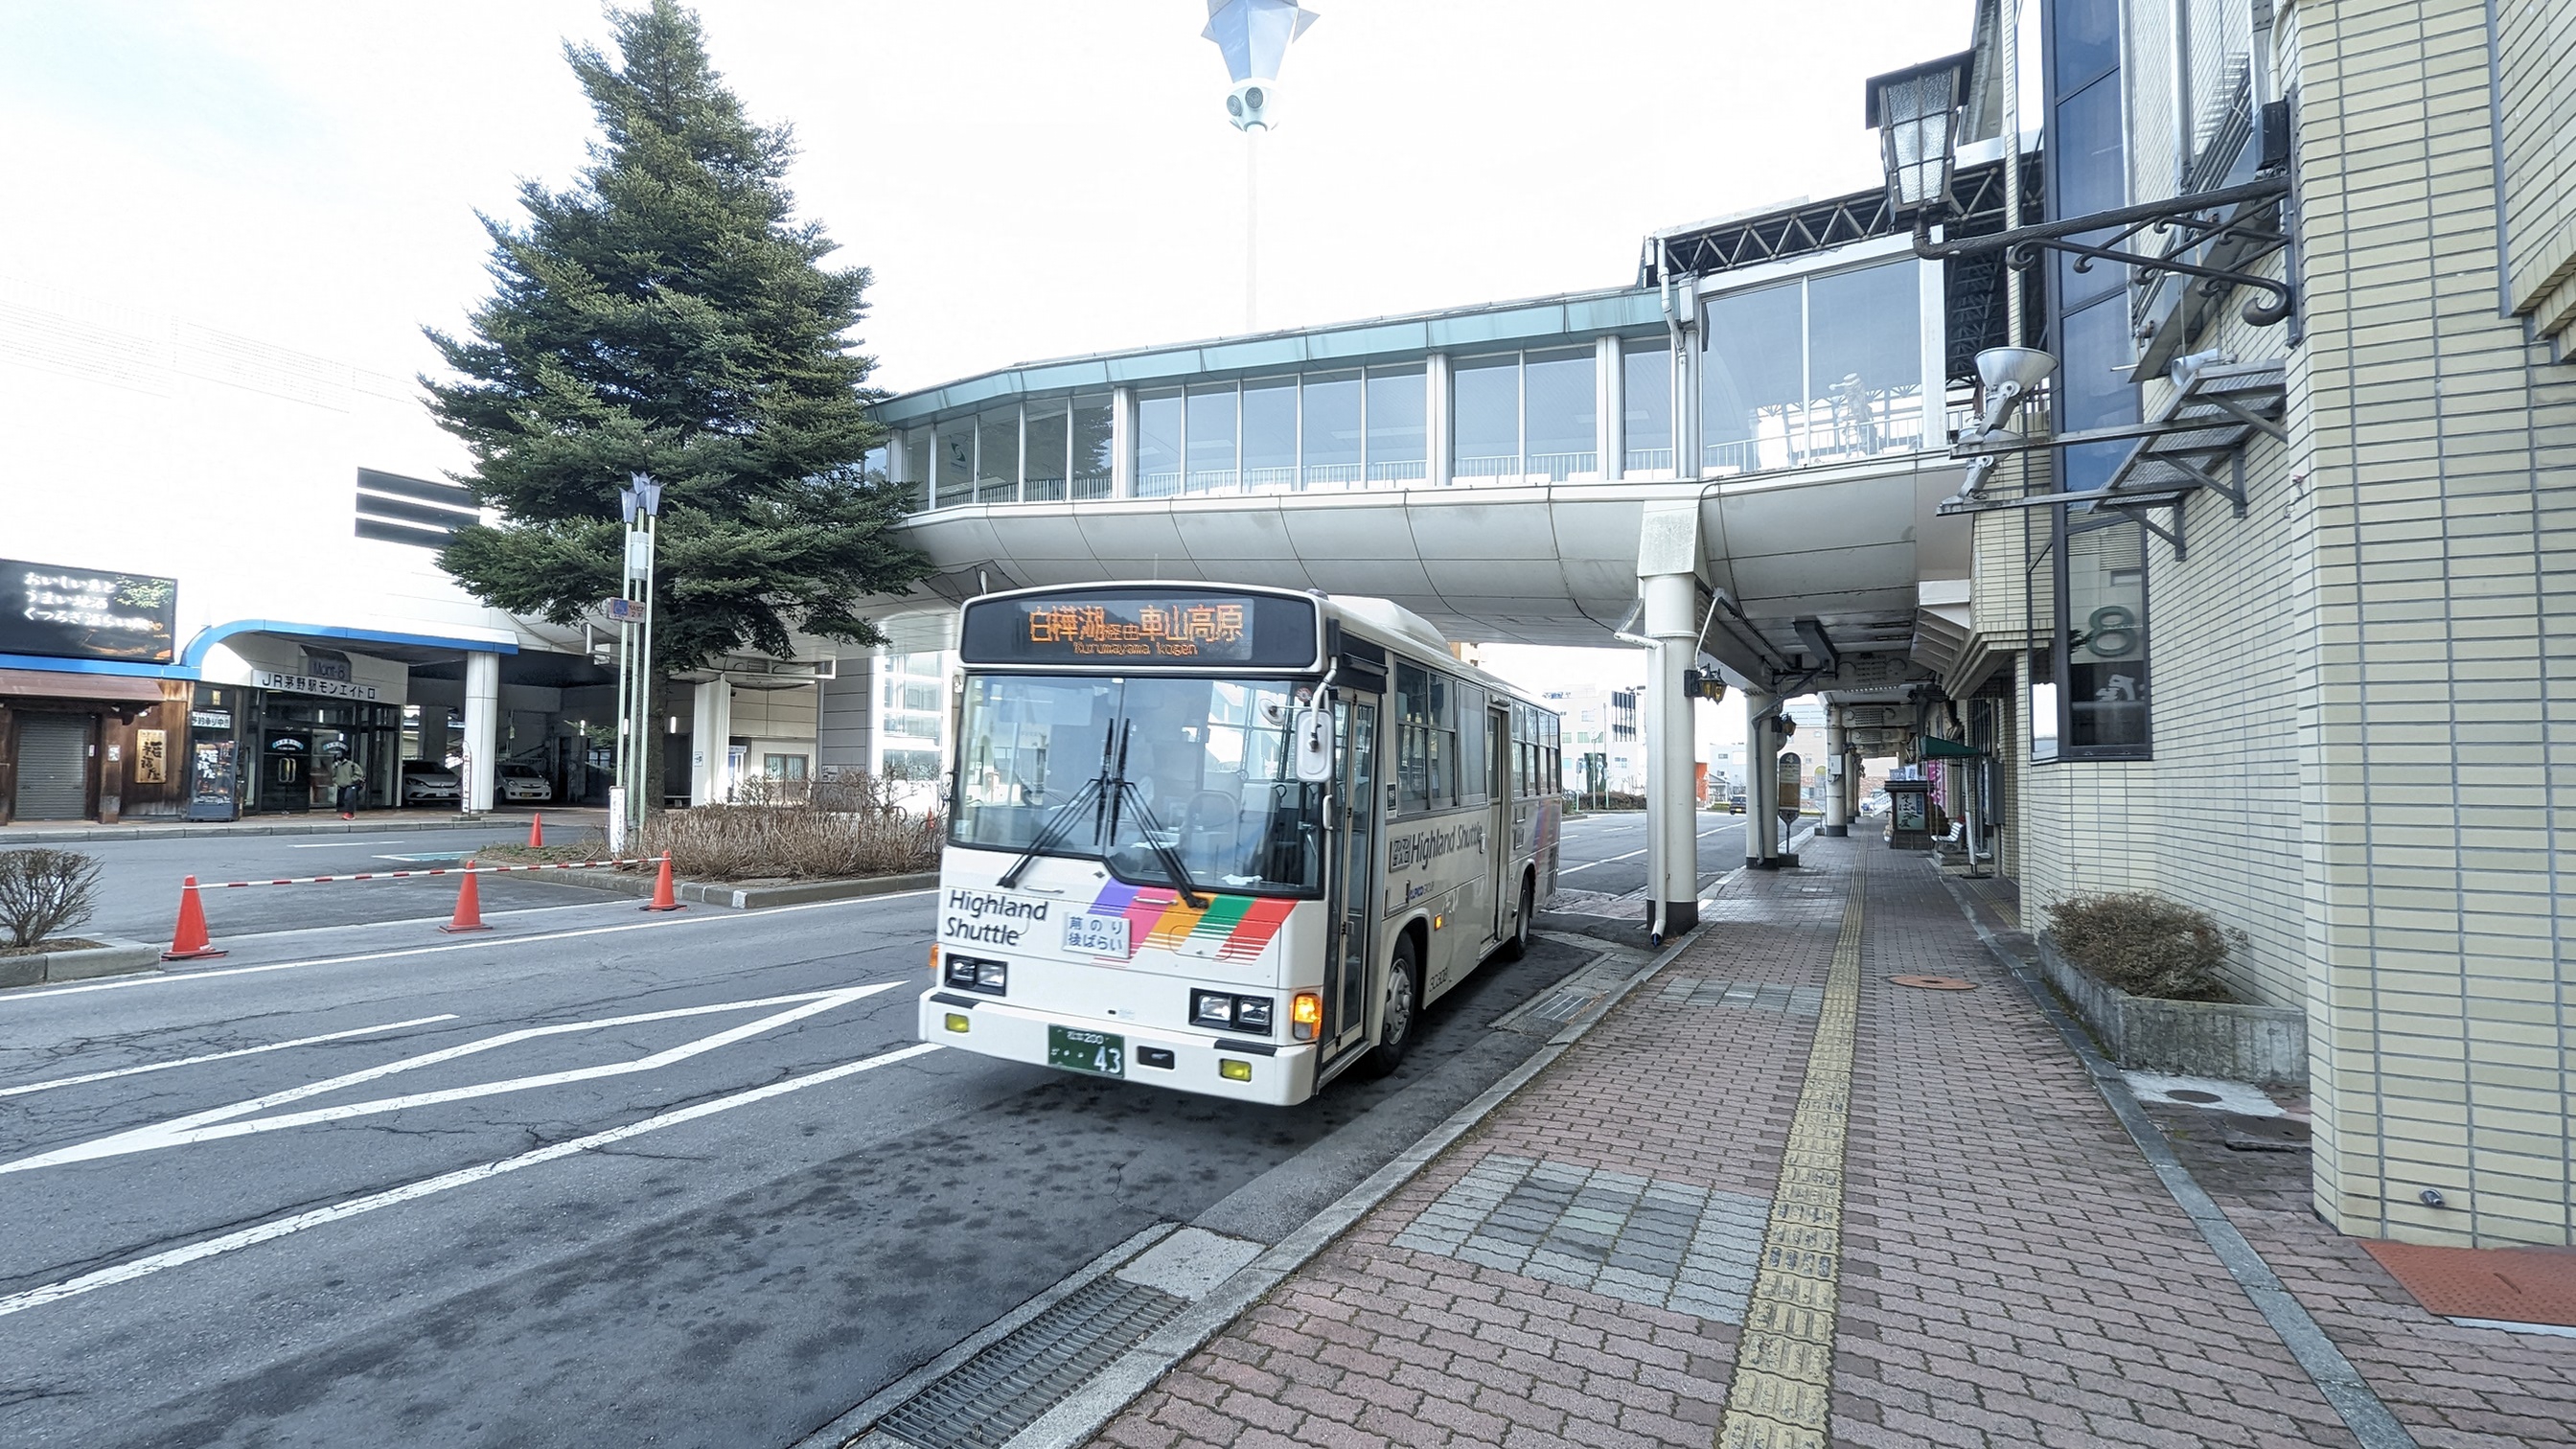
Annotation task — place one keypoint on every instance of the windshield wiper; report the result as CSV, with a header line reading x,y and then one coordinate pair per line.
x,y
1121,789
1053,830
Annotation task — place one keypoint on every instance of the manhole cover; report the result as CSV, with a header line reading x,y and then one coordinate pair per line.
x,y
2190,1094
1934,983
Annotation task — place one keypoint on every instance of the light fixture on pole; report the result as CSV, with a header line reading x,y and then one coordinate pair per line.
x,y
640,503
1254,36
1916,111
1918,115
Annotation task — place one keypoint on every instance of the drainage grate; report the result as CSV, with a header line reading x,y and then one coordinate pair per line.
x,y
1748,995
1563,1007
1004,1389
1668,1244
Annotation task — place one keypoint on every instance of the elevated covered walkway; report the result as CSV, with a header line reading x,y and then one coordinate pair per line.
x,y
1738,462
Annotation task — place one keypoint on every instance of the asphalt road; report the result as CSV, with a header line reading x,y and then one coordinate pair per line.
x,y
1607,852
139,879
595,1178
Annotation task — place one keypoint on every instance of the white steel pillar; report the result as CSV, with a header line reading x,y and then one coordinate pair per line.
x,y
1837,795
1668,575
482,766
1610,426
710,736
1762,781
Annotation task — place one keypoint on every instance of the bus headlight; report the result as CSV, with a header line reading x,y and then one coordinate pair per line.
x,y
1223,1010
1306,1015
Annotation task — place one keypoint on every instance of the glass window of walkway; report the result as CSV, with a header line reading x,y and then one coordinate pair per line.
x,y
1811,371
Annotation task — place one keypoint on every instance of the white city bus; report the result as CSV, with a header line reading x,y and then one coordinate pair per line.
x,y
1227,839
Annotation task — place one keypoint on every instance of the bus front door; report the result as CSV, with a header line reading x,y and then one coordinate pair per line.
x,y
1351,896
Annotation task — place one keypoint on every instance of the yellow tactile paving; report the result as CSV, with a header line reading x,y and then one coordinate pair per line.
x,y
1782,1389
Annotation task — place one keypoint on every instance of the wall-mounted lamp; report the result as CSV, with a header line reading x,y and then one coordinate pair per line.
x,y
1916,111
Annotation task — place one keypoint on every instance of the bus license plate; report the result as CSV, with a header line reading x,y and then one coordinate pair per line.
x,y
1096,935
1097,1052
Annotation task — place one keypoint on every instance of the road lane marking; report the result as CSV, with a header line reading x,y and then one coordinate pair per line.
x,y
127,983
1632,855
345,844
216,1123
276,1046
463,1177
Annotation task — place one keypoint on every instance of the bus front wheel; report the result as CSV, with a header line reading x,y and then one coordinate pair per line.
x,y
1403,1007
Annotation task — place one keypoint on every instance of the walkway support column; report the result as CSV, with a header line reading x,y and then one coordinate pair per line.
x,y
1762,781
710,742
1668,577
1837,796
482,766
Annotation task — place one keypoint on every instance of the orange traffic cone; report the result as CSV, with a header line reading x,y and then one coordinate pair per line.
x,y
469,906
663,900
188,940
537,833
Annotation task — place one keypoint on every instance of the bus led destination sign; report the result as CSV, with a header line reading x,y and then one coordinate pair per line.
x,y
1158,631
1182,627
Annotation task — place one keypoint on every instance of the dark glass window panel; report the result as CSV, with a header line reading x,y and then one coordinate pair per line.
x,y
1563,412
1211,439
1158,444
1043,478
1329,429
1270,433
2085,36
1485,417
1753,379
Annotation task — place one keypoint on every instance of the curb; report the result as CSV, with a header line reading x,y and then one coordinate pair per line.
x,y
1081,1414
113,956
752,898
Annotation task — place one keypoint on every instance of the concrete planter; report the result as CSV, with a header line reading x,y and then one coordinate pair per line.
x,y
111,958
2266,1044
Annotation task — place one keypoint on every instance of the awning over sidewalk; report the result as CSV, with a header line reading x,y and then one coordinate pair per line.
x,y
46,684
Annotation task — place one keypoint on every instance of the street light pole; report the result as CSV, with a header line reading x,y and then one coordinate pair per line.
x,y
641,503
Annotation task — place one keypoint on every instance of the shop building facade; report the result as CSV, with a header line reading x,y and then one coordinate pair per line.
x,y
268,599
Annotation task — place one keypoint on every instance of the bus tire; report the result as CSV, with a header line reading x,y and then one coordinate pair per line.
x,y
1516,945
1402,1020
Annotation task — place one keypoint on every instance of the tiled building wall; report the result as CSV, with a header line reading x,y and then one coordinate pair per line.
x,y
2440,755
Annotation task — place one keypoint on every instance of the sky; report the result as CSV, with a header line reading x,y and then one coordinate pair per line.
x,y
1024,178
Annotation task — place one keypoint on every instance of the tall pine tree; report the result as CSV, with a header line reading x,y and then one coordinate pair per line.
x,y
666,314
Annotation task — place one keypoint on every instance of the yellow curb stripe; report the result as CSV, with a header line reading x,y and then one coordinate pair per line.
x,y
1781,1394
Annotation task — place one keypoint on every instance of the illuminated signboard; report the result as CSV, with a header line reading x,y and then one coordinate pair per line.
x,y
1179,627
84,613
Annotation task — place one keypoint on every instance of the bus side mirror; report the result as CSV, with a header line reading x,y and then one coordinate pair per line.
x,y
1314,745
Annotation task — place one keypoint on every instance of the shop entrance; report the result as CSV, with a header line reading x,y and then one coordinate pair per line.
x,y
53,767
285,770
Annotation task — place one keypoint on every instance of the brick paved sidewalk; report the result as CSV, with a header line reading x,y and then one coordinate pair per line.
x,y
1995,1262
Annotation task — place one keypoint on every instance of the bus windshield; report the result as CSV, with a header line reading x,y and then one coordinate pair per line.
x,y
1206,777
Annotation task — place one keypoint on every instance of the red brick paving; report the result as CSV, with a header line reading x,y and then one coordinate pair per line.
x,y
2014,1274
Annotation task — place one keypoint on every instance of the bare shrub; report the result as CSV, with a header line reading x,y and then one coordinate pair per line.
x,y
44,891
2145,945
800,829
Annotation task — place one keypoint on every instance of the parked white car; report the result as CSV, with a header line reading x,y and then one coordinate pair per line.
x,y
427,782
522,784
